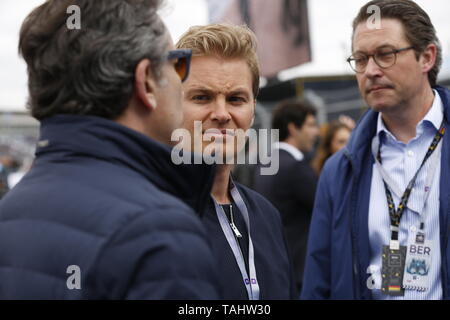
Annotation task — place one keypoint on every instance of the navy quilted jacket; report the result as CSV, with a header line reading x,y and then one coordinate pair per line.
x,y
108,200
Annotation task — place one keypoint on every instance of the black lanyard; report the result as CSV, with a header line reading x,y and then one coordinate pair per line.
x,y
396,214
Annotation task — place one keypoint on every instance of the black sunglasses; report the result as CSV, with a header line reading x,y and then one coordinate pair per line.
x,y
183,63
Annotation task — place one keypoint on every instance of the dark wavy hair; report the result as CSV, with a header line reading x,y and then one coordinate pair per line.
x,y
291,111
419,29
89,71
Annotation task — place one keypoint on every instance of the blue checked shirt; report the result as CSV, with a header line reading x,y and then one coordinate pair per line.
x,y
401,162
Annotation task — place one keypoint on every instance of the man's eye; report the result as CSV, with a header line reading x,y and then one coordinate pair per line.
x,y
383,54
201,98
360,59
237,99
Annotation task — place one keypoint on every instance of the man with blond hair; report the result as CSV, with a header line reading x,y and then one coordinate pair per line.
x,y
245,230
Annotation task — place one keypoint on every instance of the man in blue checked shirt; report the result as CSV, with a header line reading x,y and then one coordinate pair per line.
x,y
381,218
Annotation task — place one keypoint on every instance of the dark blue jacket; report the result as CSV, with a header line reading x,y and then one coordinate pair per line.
x,y
272,263
109,200
338,245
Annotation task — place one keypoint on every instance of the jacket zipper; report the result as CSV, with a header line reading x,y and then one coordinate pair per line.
x,y
233,226
356,289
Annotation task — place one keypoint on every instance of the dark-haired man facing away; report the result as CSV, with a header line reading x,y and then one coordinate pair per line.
x,y
104,213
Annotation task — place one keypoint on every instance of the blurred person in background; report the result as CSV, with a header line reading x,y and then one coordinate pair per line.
x,y
104,213
9,164
4,186
244,229
292,189
17,175
15,160
334,137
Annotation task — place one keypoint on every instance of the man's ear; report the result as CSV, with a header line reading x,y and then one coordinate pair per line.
x,y
428,57
292,129
145,84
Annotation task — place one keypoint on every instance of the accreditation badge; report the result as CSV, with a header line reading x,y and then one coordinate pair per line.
x,y
393,265
418,262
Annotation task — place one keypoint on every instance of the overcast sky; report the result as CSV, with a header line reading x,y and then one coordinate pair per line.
x,y
330,25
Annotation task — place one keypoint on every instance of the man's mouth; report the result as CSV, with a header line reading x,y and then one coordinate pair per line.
x,y
219,132
377,88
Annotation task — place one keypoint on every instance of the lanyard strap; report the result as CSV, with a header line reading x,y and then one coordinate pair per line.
x,y
396,214
251,283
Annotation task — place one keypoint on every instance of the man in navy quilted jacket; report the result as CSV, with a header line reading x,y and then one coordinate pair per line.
x,y
104,213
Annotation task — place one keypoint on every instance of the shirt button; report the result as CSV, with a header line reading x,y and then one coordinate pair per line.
x,y
410,153
413,229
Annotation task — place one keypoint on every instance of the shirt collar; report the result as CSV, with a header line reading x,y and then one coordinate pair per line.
x,y
434,116
293,151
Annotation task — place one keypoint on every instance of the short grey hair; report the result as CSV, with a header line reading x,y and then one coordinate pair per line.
x,y
89,71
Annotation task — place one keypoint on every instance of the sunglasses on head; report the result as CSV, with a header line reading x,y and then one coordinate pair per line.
x,y
183,57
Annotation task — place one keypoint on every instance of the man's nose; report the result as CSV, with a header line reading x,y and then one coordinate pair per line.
x,y
220,112
316,131
372,69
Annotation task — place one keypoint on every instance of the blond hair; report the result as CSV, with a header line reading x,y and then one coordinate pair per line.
x,y
224,41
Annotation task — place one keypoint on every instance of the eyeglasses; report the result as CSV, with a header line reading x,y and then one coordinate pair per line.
x,y
384,58
183,63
